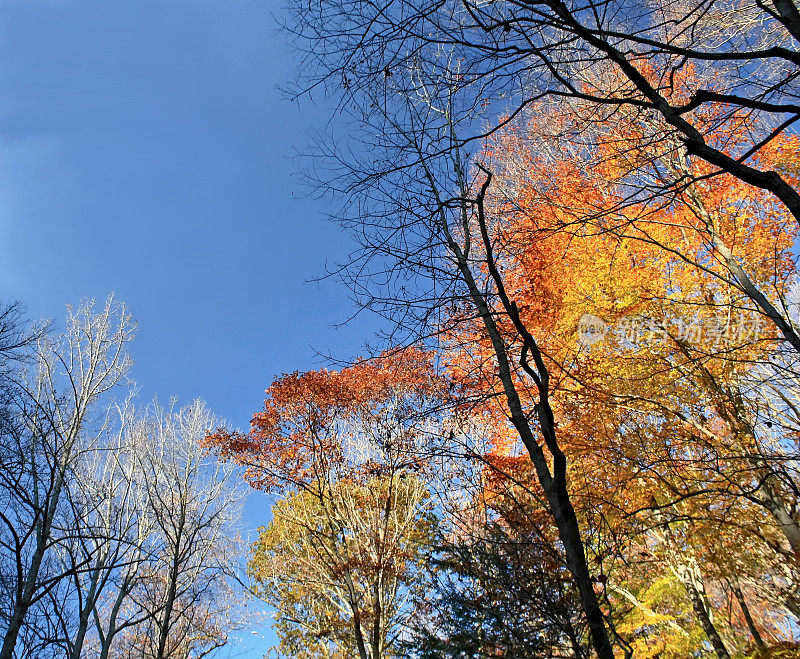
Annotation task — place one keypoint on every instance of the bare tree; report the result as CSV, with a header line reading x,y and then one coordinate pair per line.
x,y
117,530
51,419
108,547
179,602
16,332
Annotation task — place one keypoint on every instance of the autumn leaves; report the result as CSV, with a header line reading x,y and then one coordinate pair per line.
x,y
644,481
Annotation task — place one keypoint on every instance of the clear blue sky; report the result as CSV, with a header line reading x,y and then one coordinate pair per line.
x,y
145,150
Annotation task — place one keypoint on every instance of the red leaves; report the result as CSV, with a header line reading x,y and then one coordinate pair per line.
x,y
298,437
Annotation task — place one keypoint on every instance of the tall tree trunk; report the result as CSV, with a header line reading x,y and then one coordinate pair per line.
x,y
688,573
12,631
377,627
80,633
751,625
554,484
24,599
772,502
166,619
360,644
701,611
26,593
107,638
85,612
165,623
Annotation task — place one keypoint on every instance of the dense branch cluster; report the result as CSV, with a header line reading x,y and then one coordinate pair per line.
x,y
117,531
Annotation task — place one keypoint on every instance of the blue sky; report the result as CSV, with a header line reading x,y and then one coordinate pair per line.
x,y
145,150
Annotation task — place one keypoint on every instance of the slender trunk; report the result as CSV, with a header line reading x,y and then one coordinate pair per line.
x,y
701,611
685,567
25,596
751,625
105,645
166,619
569,532
555,489
23,604
80,636
80,633
86,611
688,573
362,647
165,623
12,632
108,637
735,414
554,484
376,626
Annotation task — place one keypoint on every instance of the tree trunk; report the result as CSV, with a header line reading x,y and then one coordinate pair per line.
x,y
569,532
362,648
86,611
165,623
687,572
80,634
172,589
12,632
25,596
787,524
107,639
554,484
701,611
751,625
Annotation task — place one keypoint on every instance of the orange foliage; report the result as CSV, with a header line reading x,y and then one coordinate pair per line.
x,y
299,433
651,419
